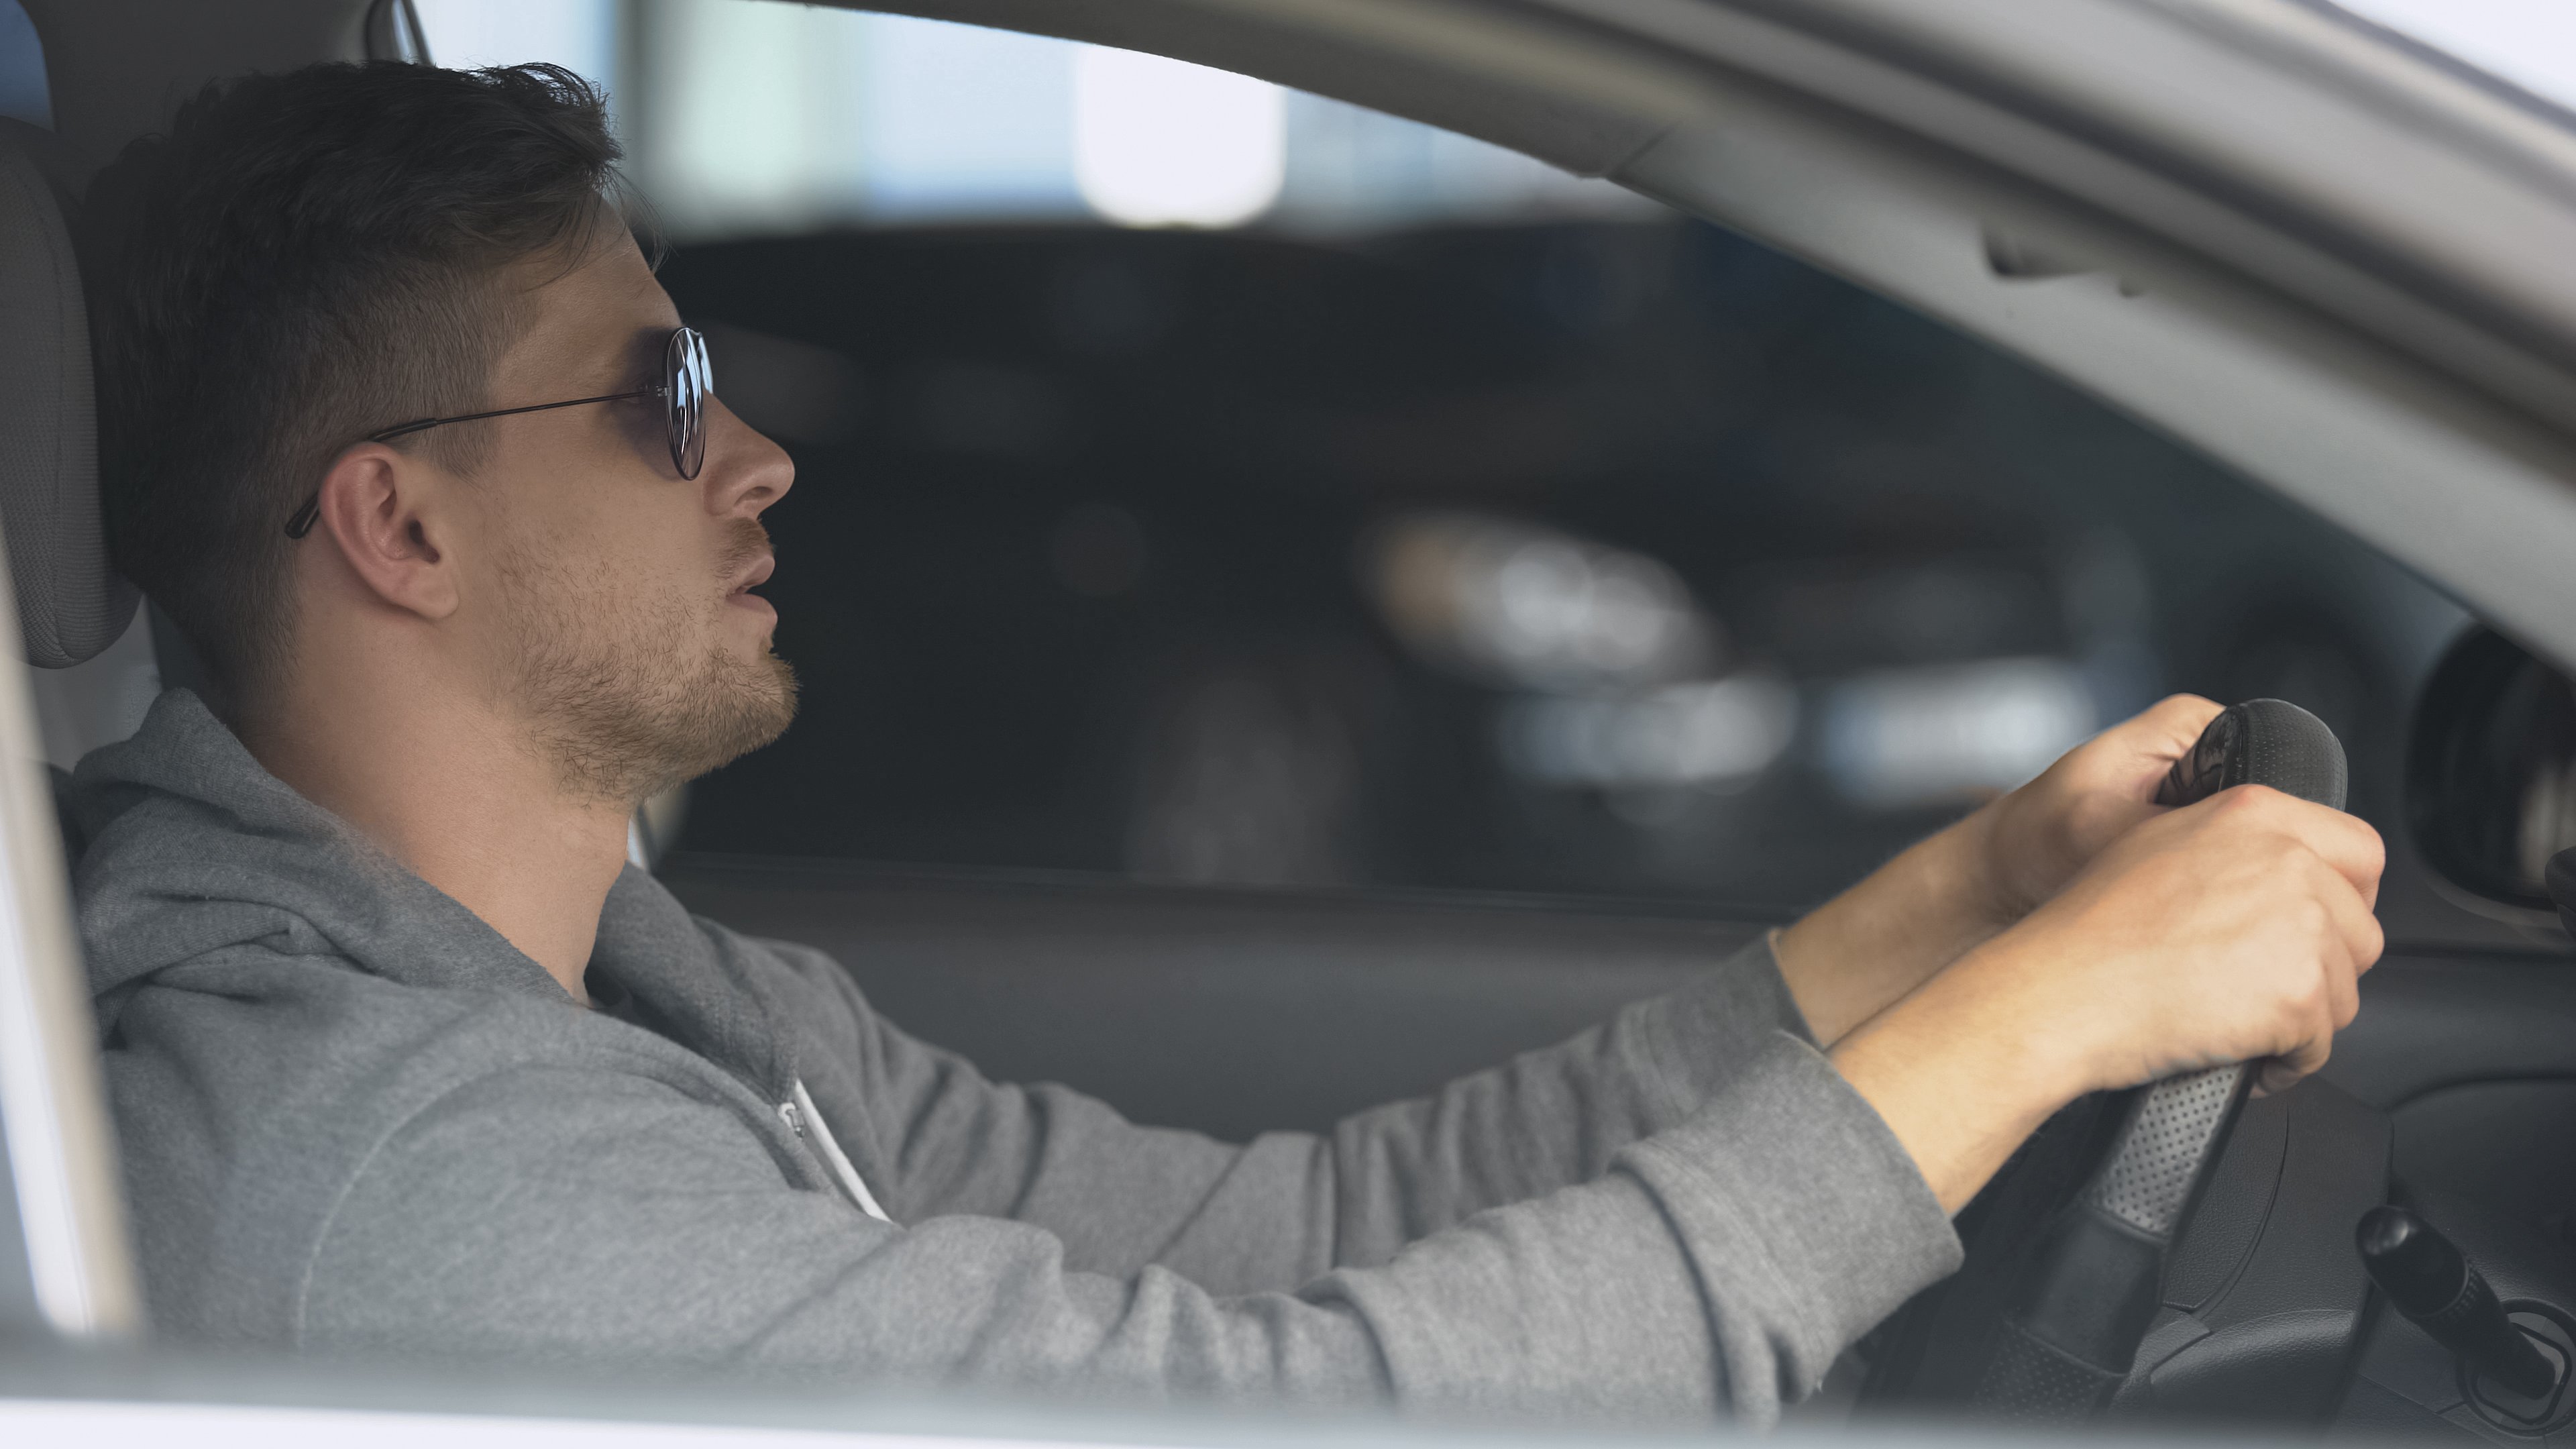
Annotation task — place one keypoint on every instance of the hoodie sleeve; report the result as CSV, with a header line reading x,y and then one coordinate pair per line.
x,y
1278,1211
556,1213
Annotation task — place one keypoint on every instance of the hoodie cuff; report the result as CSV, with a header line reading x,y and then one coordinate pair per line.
x,y
1702,1039
1799,1209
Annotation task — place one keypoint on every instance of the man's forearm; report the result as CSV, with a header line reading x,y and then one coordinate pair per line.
x,y
1857,954
1961,1072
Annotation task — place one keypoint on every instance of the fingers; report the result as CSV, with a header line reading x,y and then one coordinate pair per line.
x,y
2355,925
2348,844
2284,1070
2343,990
2343,841
2278,1075
2348,945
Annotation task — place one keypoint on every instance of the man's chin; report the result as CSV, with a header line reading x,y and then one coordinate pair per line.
x,y
758,708
737,707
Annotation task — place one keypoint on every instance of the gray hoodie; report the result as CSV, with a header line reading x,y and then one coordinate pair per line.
x,y
355,1118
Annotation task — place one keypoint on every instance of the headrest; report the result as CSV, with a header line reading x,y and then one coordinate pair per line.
x,y
70,603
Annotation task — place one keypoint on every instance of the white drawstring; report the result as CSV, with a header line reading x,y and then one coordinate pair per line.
x,y
851,1182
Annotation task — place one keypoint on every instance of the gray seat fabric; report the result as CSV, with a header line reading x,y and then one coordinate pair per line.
x,y
71,604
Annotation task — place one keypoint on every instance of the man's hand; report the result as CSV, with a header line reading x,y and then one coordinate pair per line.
x,y
2231,930
1869,946
2032,842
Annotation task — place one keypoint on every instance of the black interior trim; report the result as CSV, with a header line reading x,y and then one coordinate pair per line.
x,y
1228,1011
2430,1021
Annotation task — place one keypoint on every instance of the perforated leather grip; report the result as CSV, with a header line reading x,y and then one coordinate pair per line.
x,y
2156,1162
2094,1285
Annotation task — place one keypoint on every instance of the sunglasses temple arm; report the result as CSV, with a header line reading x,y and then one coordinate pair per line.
x,y
311,513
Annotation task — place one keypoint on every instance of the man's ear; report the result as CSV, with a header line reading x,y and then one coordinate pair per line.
x,y
380,510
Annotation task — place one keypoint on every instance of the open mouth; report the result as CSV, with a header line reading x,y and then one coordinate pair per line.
x,y
754,576
750,579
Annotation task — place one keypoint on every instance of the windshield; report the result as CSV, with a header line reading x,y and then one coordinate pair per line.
x,y
743,120
2527,44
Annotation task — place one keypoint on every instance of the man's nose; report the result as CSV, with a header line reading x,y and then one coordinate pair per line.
x,y
745,471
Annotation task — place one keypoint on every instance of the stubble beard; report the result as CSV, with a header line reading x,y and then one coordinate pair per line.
x,y
616,705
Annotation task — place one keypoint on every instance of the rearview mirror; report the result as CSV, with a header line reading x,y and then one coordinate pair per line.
x,y
2491,770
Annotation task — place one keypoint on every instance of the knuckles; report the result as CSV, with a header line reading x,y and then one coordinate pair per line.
x,y
2237,802
2312,919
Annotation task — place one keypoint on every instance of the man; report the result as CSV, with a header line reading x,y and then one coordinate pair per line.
x,y
400,430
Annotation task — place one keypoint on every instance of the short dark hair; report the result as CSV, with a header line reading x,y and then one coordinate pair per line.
x,y
302,260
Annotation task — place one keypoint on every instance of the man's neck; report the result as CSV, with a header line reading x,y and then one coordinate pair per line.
x,y
460,797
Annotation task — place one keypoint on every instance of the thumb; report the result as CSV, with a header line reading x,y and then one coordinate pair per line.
x,y
2112,781
2167,729
2131,759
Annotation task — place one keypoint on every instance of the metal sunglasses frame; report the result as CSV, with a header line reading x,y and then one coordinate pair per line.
x,y
688,379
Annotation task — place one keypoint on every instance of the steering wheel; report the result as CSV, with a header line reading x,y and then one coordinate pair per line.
x,y
2066,1248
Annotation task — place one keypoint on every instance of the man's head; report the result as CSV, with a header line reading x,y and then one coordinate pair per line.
x,y
311,258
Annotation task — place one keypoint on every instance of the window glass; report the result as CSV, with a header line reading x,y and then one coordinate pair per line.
x,y
1339,501
744,118
2530,44
24,95
580,35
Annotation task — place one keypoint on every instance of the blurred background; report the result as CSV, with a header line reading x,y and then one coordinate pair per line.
x,y
1203,481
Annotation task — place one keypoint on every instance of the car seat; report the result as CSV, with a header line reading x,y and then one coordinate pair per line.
x,y
95,667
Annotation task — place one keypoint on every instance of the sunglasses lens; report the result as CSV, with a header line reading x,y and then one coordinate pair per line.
x,y
688,378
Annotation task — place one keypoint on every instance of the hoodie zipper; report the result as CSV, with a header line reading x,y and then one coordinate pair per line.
x,y
798,1111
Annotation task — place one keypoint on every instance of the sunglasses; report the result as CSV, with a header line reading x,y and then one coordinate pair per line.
x,y
687,381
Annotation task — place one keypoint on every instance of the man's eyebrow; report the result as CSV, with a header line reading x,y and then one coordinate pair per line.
x,y
642,354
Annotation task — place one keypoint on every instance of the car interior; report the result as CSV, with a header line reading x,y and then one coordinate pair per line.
x,y
1369,651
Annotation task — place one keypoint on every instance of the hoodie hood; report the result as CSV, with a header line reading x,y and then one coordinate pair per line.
x,y
194,847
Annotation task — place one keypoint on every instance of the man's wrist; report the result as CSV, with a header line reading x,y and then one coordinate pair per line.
x,y
1982,883
1956,887
1872,945
2013,992
1963,1070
